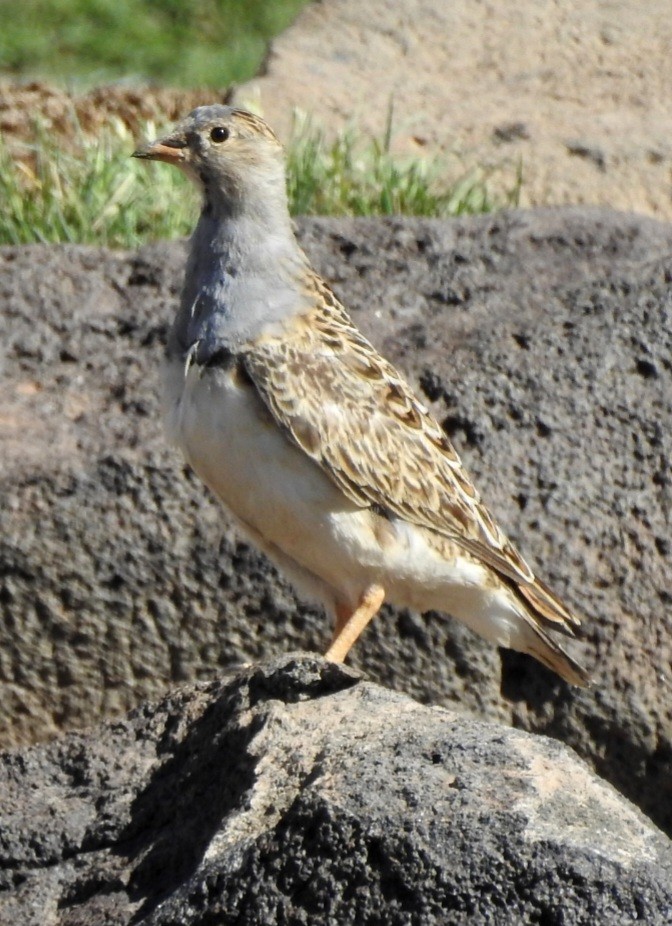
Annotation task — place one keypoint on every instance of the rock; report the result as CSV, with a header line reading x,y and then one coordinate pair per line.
x,y
295,792
543,340
452,74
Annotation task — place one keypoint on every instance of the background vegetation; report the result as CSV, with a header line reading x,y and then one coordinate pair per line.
x,y
71,186
208,43
91,191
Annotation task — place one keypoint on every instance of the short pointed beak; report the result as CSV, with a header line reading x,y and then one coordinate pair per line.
x,y
172,150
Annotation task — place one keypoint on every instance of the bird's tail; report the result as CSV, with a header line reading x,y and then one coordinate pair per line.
x,y
543,647
542,611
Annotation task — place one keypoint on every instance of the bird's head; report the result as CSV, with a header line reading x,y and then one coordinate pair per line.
x,y
230,152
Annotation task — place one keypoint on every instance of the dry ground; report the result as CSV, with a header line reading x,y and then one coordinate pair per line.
x,y
577,92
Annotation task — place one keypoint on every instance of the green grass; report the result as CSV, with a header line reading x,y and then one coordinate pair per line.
x,y
201,43
355,176
93,192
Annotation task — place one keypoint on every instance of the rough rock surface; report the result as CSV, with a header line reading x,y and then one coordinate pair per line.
x,y
295,793
544,341
576,92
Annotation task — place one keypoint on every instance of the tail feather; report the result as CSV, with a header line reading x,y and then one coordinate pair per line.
x,y
542,611
548,607
550,654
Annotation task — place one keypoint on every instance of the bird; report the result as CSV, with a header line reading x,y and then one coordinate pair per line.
x,y
315,444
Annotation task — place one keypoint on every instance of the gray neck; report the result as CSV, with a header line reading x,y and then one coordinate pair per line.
x,y
243,274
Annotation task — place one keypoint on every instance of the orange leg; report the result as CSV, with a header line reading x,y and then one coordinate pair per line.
x,y
350,624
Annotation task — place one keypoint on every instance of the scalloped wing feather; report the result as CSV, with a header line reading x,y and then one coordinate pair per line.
x,y
350,411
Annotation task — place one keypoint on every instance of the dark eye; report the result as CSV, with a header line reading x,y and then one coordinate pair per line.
x,y
219,134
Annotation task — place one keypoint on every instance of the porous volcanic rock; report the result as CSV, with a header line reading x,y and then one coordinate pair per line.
x,y
296,793
543,340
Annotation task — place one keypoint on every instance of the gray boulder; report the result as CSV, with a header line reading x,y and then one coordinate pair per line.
x,y
543,340
295,792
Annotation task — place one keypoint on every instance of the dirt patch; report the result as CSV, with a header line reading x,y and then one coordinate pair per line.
x,y
576,95
23,106
577,92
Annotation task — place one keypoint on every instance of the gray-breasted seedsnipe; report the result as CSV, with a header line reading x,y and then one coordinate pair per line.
x,y
312,440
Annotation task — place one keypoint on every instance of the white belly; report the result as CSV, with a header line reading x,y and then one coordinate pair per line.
x,y
298,516
270,486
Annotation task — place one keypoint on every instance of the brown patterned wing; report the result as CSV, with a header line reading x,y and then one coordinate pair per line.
x,y
349,410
